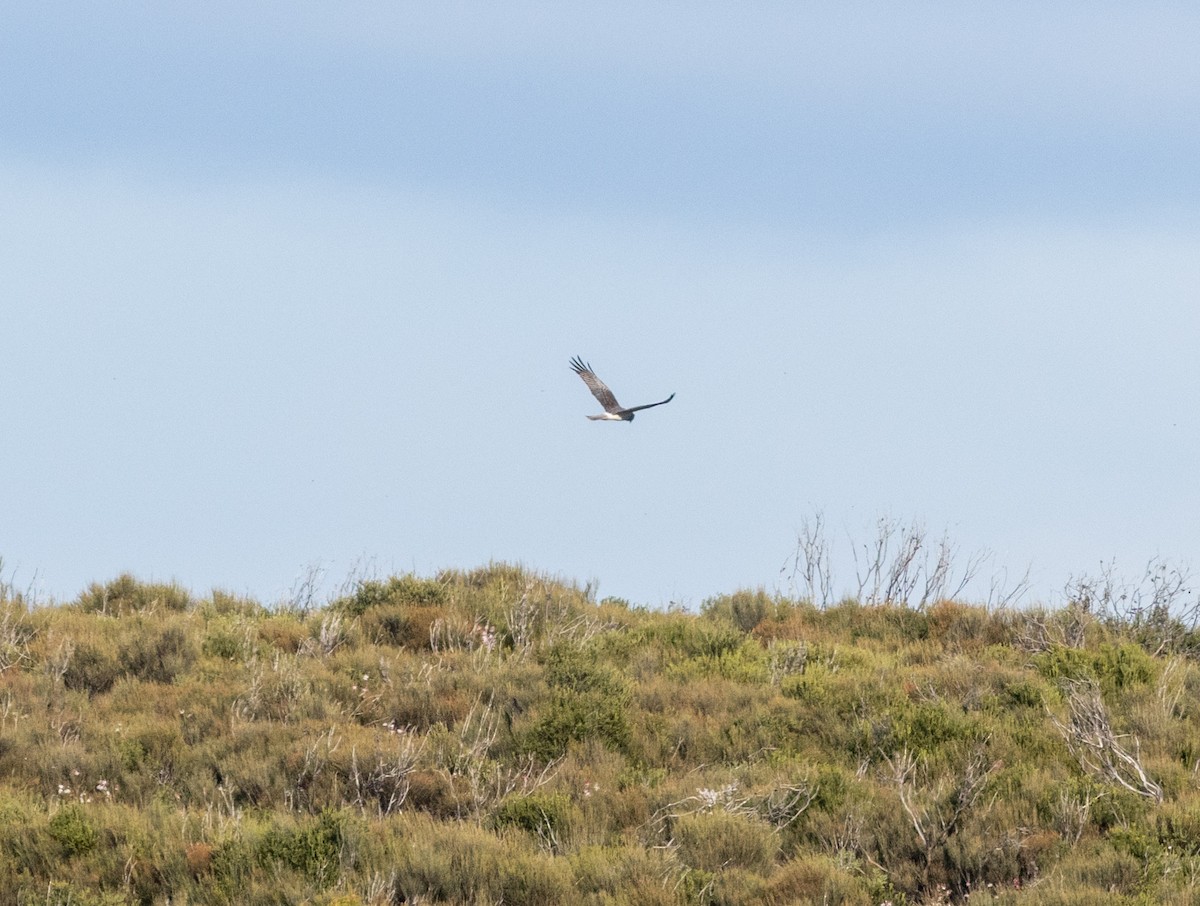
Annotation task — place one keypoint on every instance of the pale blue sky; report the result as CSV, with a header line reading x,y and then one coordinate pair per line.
x,y
297,285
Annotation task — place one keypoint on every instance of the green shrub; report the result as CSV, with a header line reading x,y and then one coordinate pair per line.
x,y
680,636
715,841
1114,667
226,603
160,656
1101,868
571,668
589,701
744,609
1178,828
924,727
397,590
73,830
91,670
623,876
151,747
459,863
232,864
748,663
1123,666
698,886
313,849
1024,693
126,594
228,639
403,625
812,686
577,717
545,815
1063,662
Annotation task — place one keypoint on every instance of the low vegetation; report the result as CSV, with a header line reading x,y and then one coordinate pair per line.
x,y
497,736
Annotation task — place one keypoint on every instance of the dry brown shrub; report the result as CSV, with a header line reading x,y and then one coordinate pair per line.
x,y
431,792
284,633
812,880
402,625
199,858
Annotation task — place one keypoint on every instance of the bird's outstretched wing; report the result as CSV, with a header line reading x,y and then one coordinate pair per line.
x,y
649,405
599,389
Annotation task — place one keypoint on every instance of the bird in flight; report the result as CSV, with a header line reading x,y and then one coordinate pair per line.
x,y
613,411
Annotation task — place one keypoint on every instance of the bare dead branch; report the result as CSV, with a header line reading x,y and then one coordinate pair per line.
x,y
811,562
937,808
1100,751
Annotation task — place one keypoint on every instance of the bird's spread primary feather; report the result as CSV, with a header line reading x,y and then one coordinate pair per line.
x,y
599,389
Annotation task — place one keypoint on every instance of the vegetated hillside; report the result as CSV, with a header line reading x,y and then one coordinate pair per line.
x,y
499,737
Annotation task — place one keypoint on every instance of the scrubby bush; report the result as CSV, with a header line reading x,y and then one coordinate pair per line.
x,y
91,669
744,609
73,830
546,816
401,625
125,594
1114,667
158,655
589,701
313,849
814,879
576,717
714,841
407,591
